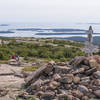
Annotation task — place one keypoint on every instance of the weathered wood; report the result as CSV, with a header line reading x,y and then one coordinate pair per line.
x,y
35,75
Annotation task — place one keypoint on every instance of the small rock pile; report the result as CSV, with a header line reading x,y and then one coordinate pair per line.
x,y
78,80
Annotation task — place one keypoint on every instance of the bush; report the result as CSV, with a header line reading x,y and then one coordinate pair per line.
x,y
27,50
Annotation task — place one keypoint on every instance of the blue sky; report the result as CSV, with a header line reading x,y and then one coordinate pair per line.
x,y
49,11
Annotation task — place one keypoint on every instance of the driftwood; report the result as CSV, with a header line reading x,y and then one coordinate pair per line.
x,y
35,75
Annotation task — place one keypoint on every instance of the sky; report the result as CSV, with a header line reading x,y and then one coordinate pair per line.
x,y
49,11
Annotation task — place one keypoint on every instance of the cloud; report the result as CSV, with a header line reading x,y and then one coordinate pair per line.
x,y
57,11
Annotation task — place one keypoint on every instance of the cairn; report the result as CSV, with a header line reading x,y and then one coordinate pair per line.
x,y
78,80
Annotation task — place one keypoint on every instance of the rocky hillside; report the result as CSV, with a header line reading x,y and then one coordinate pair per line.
x,y
78,80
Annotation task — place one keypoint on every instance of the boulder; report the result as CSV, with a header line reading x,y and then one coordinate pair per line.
x,y
53,85
83,89
78,71
48,95
77,61
95,61
90,71
97,75
96,57
62,64
67,86
77,93
85,67
39,93
97,82
76,80
85,98
61,69
65,97
34,86
85,81
51,63
56,77
97,93
67,79
48,69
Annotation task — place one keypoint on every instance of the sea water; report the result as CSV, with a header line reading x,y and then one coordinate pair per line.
x,y
25,30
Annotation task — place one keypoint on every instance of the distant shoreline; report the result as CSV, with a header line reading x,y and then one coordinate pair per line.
x,y
76,39
5,32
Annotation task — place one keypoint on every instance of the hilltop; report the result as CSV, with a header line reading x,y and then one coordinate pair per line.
x,y
51,68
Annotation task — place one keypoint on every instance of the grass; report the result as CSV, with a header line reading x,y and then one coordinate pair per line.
x,y
30,68
4,61
30,60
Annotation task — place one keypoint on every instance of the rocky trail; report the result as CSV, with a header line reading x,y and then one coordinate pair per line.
x,y
11,81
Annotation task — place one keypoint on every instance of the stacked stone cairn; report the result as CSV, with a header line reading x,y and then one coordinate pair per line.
x,y
78,80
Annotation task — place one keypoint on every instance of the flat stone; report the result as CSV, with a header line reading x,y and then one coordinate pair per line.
x,y
97,75
67,78
77,61
85,81
67,86
83,89
97,82
47,95
56,77
53,85
65,97
51,62
76,80
34,86
48,69
93,63
85,98
90,71
85,67
39,93
94,87
80,70
62,64
77,93
61,69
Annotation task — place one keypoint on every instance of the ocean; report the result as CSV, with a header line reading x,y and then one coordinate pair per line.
x,y
48,31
